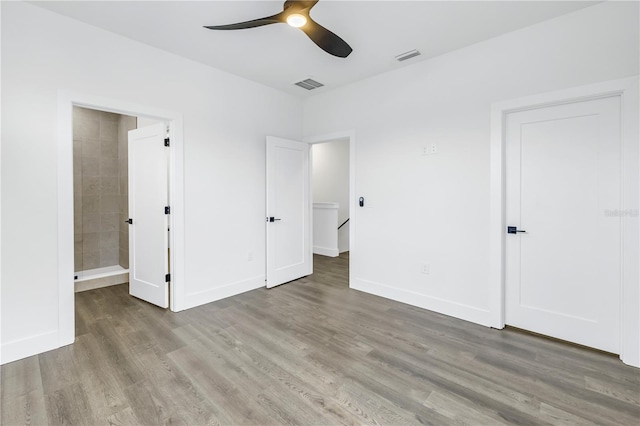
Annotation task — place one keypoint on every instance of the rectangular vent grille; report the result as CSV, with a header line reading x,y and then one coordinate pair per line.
x,y
407,55
309,84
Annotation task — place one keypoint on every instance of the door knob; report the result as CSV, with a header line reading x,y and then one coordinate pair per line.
x,y
129,221
514,230
272,219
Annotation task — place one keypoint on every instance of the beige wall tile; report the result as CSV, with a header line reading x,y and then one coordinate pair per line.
x,y
108,166
90,260
109,131
109,240
90,167
124,259
109,116
90,148
109,222
90,204
90,185
90,222
90,241
109,185
109,257
80,112
100,188
77,221
86,128
124,204
110,204
77,166
77,186
124,190
77,260
109,148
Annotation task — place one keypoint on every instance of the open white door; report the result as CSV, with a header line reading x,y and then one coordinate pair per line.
x,y
148,230
288,211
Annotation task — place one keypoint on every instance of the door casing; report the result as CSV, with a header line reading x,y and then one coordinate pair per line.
x,y
66,101
627,89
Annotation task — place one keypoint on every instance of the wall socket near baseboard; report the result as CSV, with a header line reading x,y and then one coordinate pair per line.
x,y
250,256
430,149
426,268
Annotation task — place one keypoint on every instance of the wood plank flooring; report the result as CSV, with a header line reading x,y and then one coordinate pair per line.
x,y
311,352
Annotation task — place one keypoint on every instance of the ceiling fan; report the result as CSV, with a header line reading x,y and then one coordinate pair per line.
x,y
296,14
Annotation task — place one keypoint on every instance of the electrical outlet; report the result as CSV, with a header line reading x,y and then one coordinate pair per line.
x,y
430,149
426,268
250,256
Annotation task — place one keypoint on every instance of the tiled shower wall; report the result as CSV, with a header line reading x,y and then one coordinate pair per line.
x,y
98,187
125,123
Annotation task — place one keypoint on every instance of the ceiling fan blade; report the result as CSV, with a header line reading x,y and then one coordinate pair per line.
x,y
275,19
325,39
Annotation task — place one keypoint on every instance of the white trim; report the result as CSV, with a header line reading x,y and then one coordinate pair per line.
x,y
435,304
627,89
328,206
66,101
325,251
351,135
31,345
199,298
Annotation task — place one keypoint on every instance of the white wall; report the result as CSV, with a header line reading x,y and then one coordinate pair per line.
x,y
225,121
330,181
325,229
435,209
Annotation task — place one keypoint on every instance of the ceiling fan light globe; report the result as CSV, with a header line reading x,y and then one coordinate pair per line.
x,y
296,20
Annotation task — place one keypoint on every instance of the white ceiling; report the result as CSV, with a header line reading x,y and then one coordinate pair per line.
x,y
279,55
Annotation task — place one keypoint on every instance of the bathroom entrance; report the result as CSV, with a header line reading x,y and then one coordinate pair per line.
x,y
121,207
100,197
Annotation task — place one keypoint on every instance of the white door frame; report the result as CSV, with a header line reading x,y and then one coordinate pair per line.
x,y
66,101
351,136
627,89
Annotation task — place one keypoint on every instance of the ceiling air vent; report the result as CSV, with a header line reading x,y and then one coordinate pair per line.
x,y
407,55
309,84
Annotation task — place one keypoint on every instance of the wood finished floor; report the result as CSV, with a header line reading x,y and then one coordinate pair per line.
x,y
309,352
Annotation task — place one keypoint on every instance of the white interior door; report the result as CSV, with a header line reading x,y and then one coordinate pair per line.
x,y
563,187
148,231
288,211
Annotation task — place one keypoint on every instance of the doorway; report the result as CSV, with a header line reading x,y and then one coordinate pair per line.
x,y
100,197
348,225
66,285
288,193
626,90
330,197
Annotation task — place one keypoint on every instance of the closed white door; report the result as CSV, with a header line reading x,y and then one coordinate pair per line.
x,y
288,216
563,186
148,229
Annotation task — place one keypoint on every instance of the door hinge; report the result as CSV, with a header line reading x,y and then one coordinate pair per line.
x,y
167,210
167,278
167,142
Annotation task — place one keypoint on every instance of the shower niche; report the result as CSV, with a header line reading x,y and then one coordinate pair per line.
x,y
100,197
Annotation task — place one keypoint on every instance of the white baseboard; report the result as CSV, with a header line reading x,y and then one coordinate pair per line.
x,y
331,252
28,346
207,296
442,306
